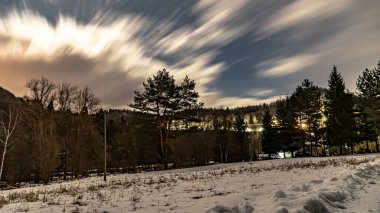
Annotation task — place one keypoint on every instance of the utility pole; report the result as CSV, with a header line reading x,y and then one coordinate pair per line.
x,y
105,146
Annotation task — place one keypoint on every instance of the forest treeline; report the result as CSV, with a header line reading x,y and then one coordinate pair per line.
x,y
58,131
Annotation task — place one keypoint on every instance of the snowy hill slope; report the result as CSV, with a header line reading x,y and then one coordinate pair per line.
x,y
304,185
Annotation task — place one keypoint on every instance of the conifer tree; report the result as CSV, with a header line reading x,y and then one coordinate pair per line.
x,y
241,128
364,129
339,112
269,145
286,130
308,105
165,99
368,85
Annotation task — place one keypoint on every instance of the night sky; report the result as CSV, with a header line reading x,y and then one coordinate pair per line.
x,y
239,52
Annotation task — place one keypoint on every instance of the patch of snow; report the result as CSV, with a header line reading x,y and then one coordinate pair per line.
x,y
279,194
282,186
222,209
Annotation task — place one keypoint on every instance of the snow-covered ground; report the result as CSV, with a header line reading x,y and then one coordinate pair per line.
x,y
303,185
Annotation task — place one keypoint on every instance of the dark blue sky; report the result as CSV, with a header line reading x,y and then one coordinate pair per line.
x,y
239,52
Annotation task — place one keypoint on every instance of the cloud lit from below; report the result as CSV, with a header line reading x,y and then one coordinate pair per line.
x,y
286,66
238,52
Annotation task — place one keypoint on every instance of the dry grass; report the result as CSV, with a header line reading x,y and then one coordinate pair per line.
x,y
3,201
96,194
29,196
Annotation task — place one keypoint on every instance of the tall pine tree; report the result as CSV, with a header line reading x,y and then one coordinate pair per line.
x,y
166,100
308,108
268,143
368,85
339,112
287,133
241,129
364,129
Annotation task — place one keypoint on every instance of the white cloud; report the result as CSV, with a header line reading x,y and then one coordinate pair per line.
x,y
116,47
238,102
303,12
110,45
115,54
260,92
344,33
213,28
285,66
349,35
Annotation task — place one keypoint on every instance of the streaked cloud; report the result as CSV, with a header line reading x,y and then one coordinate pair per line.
x,y
212,28
285,66
111,49
304,12
259,92
115,47
239,52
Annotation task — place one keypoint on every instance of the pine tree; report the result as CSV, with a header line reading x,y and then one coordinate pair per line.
x,y
339,112
348,121
269,145
308,105
368,85
166,100
364,129
286,130
241,128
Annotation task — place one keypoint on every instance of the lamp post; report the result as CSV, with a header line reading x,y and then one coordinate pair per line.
x,y
105,147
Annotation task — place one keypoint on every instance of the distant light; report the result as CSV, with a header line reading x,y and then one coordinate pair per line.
x,y
281,155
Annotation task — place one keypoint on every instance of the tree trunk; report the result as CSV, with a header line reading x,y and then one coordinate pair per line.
x,y
46,180
162,144
226,151
65,161
254,156
164,136
311,148
244,148
226,155
64,168
367,148
166,146
3,159
377,145
323,149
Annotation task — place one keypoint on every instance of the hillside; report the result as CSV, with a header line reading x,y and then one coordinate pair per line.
x,y
6,95
332,184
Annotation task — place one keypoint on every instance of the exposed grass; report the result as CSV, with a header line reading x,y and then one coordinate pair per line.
x,y
95,194
28,196
3,201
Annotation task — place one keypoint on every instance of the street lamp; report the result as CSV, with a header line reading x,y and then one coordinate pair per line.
x,y
105,147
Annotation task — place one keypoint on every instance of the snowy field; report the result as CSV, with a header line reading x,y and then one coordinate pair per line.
x,y
303,185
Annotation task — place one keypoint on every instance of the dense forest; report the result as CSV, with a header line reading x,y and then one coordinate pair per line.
x,y
58,131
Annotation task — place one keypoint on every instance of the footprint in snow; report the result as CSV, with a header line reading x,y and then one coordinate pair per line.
x,y
316,181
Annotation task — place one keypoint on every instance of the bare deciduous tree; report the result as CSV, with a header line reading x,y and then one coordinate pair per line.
x,y
8,122
86,101
65,96
45,148
44,132
42,90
